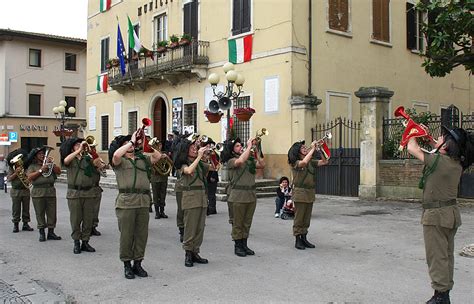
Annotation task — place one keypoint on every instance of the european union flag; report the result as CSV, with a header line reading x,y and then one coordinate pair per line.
x,y
120,50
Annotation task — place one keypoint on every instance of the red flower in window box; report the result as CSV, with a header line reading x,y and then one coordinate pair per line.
x,y
64,132
213,117
244,114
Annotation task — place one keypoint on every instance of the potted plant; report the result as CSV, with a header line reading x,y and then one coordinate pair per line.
x,y
162,46
213,117
185,39
108,65
174,41
114,62
244,114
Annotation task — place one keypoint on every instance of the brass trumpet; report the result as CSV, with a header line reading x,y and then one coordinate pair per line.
x,y
17,162
48,162
258,138
164,165
216,149
89,147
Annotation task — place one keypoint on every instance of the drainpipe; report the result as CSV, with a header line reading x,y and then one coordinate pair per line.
x,y
310,49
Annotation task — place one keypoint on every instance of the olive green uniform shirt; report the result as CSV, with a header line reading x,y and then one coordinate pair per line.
x,y
132,176
158,178
194,187
81,185
42,186
303,182
18,189
442,186
242,182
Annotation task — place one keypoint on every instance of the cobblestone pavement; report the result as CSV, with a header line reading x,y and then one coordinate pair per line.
x,y
367,252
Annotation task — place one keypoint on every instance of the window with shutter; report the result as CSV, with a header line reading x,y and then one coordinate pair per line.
x,y
71,102
34,104
411,26
338,15
190,16
381,20
104,136
132,122
104,53
190,115
241,13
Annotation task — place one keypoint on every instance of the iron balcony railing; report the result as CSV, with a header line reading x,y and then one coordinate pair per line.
x,y
161,62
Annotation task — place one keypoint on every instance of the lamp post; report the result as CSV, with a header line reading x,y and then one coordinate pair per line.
x,y
62,115
232,90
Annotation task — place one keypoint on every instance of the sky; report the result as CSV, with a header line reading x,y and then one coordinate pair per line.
x,y
58,17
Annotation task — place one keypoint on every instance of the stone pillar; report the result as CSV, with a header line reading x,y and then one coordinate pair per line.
x,y
374,105
303,116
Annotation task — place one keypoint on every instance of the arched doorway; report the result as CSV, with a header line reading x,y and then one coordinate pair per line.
x,y
159,119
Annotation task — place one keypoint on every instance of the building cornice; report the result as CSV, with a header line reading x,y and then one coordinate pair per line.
x,y
8,35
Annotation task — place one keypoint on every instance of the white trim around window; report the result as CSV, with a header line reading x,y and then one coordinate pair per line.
x,y
349,21
421,104
372,39
231,16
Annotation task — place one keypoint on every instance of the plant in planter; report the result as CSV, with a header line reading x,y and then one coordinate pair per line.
x,y
244,114
174,41
114,62
185,39
162,46
213,117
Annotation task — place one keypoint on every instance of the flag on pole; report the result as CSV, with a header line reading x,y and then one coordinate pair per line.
x,y
105,5
120,50
102,83
240,49
133,41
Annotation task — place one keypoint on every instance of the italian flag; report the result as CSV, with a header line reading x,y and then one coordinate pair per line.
x,y
105,5
133,41
102,83
240,49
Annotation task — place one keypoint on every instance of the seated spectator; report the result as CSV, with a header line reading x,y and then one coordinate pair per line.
x,y
283,194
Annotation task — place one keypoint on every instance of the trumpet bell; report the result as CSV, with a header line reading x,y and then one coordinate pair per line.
x,y
328,135
193,137
213,106
16,159
400,112
90,140
146,122
204,139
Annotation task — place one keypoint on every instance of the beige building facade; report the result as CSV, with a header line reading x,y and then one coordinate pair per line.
x,y
36,72
307,60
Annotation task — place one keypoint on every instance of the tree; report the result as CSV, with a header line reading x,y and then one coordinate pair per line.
x,y
449,31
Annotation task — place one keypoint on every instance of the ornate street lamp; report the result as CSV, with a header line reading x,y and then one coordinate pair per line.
x,y
224,99
62,115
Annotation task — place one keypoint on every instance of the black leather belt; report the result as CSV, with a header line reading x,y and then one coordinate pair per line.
x,y
19,188
440,204
137,191
191,188
79,187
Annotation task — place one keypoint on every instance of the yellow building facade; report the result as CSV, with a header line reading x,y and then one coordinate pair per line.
x,y
307,60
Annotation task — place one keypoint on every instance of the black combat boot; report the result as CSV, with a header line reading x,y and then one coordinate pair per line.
x,y
188,259
248,251
26,227
162,212
127,266
15,228
150,209
95,232
77,247
42,237
52,235
181,234
157,214
138,270
198,259
299,242
86,247
440,298
305,241
239,249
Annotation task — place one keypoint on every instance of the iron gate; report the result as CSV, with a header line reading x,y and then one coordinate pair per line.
x,y
342,175
466,189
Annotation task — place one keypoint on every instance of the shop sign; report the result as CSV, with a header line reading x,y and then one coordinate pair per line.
x,y
33,128
4,140
13,136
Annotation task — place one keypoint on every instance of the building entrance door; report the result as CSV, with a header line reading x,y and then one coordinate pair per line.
x,y
159,119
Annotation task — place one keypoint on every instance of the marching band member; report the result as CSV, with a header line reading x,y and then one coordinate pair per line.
x,y
82,191
42,172
303,168
441,217
242,192
132,171
193,172
159,184
19,193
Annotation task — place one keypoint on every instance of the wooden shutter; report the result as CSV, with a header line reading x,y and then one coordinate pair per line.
x,y
339,15
432,15
105,133
386,20
246,16
376,19
191,19
236,19
187,18
411,26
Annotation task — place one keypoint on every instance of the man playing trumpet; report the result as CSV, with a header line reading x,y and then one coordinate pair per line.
x,y
82,191
303,168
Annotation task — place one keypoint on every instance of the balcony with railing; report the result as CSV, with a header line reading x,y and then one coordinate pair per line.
x,y
169,65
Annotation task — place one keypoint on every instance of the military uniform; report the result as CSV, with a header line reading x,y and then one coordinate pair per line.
x,y
20,201
441,218
159,185
96,200
243,197
43,195
303,196
178,189
81,196
194,205
131,206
